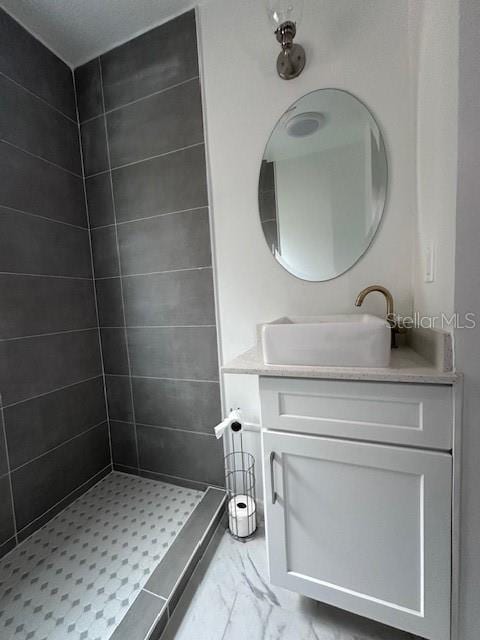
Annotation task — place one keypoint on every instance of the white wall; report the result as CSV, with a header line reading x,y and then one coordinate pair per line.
x,y
437,152
362,46
467,298
400,58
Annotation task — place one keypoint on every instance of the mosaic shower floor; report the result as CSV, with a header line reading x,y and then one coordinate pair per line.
x,y
76,578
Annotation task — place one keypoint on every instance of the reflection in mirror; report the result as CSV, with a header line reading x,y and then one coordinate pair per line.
x,y
322,184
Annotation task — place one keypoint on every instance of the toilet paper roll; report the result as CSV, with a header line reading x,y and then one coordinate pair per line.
x,y
242,516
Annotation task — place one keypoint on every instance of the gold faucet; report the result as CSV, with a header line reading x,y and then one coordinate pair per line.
x,y
395,327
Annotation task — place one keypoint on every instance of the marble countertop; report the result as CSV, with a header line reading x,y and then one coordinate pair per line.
x,y
406,365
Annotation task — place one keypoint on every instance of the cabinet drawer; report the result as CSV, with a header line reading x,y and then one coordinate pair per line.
x,y
406,414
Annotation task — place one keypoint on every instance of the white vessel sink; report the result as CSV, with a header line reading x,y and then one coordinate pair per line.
x,y
357,340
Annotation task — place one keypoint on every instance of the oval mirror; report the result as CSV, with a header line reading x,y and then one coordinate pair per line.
x,y
323,183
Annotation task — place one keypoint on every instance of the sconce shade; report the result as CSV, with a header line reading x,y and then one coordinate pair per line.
x,y
280,11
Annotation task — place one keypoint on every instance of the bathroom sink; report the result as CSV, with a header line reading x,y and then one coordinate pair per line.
x,y
357,340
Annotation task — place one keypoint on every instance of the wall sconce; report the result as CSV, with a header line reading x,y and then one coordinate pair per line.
x,y
285,15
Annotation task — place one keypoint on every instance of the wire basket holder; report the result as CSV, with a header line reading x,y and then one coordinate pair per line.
x,y
239,479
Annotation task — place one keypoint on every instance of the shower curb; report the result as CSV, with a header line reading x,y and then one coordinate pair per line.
x,y
150,612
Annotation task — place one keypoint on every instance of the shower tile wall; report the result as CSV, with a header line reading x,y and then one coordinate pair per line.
x,y
53,431
143,145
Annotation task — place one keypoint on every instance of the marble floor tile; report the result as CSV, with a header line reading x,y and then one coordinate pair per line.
x,y
235,601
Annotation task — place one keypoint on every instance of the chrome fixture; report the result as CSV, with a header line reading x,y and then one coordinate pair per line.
x,y
284,15
391,319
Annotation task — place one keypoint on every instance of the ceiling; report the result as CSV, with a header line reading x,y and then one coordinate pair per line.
x,y
78,30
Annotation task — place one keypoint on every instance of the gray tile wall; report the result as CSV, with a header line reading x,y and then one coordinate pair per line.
x,y
143,144
53,426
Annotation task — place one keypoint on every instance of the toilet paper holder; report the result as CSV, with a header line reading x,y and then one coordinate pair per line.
x,y
233,422
239,478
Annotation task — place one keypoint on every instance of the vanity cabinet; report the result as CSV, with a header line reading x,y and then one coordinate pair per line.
x,y
358,497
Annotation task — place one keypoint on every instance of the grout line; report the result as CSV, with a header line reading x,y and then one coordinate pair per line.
x,y
150,95
92,267
155,326
43,275
157,426
134,162
148,635
9,471
122,375
35,95
47,393
153,273
122,297
167,475
2,544
158,155
153,216
79,435
46,218
155,594
98,173
57,503
35,155
117,469
91,119
52,333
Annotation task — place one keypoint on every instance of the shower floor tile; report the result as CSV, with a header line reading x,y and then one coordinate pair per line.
x,y
76,578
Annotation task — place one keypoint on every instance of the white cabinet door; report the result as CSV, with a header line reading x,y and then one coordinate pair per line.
x,y
361,526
